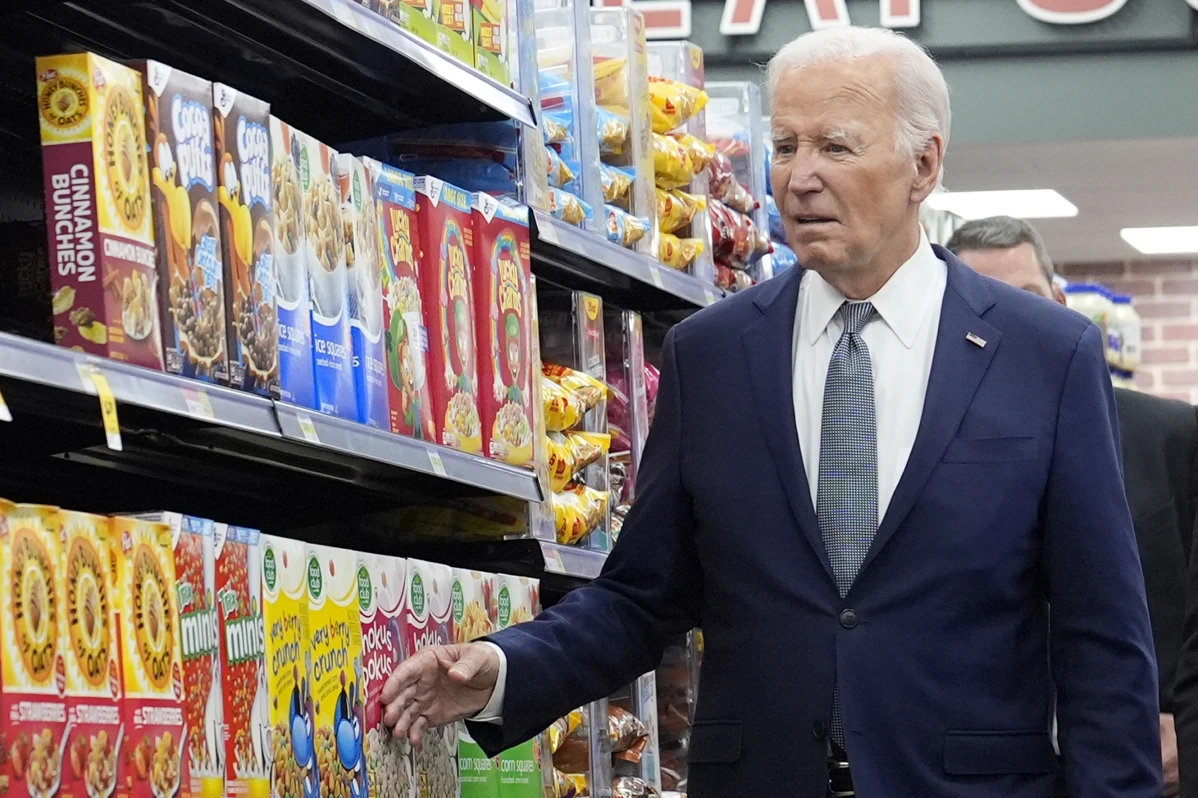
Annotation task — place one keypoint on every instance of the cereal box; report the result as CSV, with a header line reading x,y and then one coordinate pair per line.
x,y
473,597
92,656
429,615
246,199
148,620
491,38
406,339
518,599
455,29
186,225
363,249
446,248
334,615
296,382
33,713
411,15
288,668
332,351
239,569
503,329
97,182
382,583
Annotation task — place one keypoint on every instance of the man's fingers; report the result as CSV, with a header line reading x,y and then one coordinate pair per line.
x,y
416,734
406,673
394,709
410,714
474,660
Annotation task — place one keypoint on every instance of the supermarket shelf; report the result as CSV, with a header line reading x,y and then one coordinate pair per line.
x,y
572,561
358,440
578,259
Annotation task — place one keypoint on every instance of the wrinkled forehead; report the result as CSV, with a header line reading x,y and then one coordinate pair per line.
x,y
853,86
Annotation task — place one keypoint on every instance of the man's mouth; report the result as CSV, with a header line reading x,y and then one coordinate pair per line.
x,y
814,220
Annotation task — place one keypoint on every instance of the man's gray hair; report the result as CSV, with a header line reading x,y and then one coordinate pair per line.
x,y
1001,232
923,106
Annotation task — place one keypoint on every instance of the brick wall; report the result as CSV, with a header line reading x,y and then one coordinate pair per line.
x,y
1165,293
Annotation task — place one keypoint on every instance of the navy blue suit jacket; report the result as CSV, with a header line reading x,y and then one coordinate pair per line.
x,y
1012,498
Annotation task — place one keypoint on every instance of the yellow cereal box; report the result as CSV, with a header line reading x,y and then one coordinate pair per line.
x,y
33,714
288,668
92,655
148,622
337,684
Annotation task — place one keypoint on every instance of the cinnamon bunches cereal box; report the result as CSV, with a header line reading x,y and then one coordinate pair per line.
x,y
491,36
473,599
502,283
338,685
455,29
405,341
239,568
191,277
429,615
92,656
98,219
291,711
446,248
363,251
246,198
411,15
517,600
382,589
148,620
32,655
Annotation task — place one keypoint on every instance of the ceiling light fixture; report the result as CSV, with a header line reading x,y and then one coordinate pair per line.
x,y
1041,203
1162,240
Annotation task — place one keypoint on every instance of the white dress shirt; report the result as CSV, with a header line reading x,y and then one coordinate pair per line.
x,y
901,342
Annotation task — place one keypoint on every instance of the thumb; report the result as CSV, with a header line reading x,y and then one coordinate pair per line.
x,y
472,662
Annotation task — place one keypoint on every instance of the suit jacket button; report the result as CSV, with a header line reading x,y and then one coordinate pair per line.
x,y
848,619
819,729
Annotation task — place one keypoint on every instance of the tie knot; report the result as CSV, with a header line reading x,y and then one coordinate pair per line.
x,y
856,315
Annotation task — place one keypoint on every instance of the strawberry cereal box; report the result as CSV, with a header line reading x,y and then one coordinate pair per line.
x,y
405,340
239,568
100,233
92,655
446,247
148,620
429,615
291,713
502,283
32,663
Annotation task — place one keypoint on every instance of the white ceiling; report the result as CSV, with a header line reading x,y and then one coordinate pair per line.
x,y
1114,184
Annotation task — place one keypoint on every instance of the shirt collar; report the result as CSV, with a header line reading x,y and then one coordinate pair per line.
x,y
901,303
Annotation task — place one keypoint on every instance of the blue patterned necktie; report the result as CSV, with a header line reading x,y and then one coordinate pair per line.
x,y
847,492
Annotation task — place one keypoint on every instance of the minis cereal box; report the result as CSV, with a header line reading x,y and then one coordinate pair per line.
x,y
93,658
503,329
411,15
335,621
518,599
148,620
382,583
296,381
289,668
239,568
406,338
473,597
332,350
491,34
455,29
32,656
430,623
363,250
100,235
246,199
186,223
446,248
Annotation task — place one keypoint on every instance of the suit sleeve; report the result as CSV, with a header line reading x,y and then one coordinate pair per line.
x,y
1101,638
1185,688
606,634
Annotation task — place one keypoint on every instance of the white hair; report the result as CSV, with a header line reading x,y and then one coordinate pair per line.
x,y
923,107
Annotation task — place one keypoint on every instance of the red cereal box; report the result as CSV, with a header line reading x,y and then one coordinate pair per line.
x,y
446,248
503,329
429,622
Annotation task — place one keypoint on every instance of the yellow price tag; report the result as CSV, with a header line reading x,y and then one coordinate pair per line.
x,y
656,274
95,382
434,459
5,413
198,404
307,428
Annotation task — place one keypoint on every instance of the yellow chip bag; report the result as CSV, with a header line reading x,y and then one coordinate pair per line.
x,y
701,153
563,409
577,511
677,253
611,81
672,166
676,209
673,103
570,452
563,728
590,390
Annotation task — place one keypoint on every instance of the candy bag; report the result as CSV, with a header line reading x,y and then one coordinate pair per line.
x,y
672,164
677,253
676,209
563,728
673,103
624,728
623,228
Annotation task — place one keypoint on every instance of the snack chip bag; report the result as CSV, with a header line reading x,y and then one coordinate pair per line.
x,y
611,81
589,389
676,209
568,207
677,253
563,409
732,280
577,511
563,728
623,228
672,166
555,127
570,452
735,240
700,151
613,131
673,103
559,173
616,181
723,186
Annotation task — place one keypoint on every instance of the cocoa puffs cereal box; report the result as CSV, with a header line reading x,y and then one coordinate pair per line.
x,y
32,654
148,622
99,229
92,655
429,615
288,668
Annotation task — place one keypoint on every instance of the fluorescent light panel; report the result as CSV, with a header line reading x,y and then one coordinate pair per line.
x,y
1041,203
1162,240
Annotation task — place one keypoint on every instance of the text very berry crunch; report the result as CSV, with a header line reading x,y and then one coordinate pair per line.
x,y
243,647
92,657
33,715
288,668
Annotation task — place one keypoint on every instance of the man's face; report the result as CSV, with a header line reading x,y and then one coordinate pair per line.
x,y
845,190
1015,266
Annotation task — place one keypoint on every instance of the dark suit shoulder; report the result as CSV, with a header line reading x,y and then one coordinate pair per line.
x,y
1175,415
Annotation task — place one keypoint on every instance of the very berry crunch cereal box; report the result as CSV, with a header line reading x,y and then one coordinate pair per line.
x,y
33,714
288,666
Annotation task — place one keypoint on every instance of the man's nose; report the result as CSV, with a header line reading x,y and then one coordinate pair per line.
x,y
804,178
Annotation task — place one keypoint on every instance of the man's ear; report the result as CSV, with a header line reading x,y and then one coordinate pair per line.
x,y
928,166
1058,294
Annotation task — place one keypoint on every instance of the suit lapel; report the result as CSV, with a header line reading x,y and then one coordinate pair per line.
x,y
958,365
768,344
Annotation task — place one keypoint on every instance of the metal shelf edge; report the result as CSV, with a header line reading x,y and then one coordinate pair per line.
x,y
572,561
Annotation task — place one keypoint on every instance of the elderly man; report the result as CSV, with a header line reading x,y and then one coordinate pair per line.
x,y
921,460
1160,474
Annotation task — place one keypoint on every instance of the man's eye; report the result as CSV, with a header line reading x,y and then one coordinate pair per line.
x,y
836,149
784,149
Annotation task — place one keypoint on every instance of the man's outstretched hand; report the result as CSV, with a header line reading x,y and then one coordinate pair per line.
x,y
439,685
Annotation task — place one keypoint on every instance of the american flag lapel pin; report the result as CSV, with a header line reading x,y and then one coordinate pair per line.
x,y
976,340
